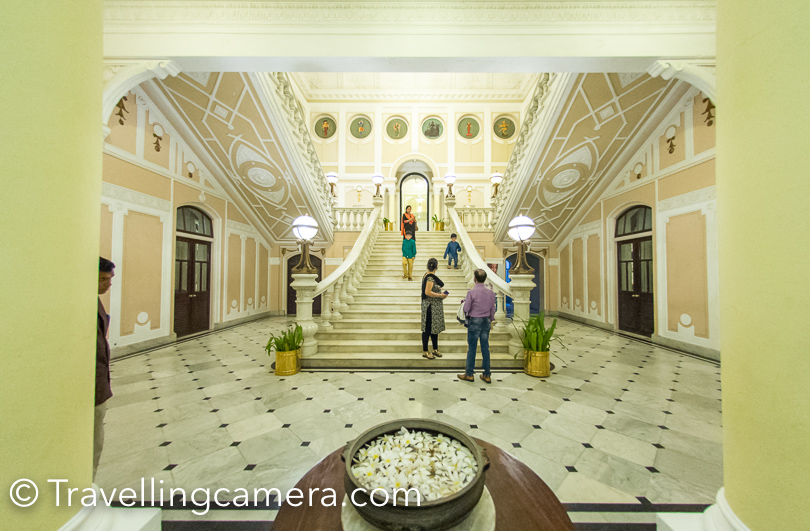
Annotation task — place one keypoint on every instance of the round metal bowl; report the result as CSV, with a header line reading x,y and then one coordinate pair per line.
x,y
433,515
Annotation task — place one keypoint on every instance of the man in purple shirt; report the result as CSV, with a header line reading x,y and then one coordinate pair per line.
x,y
479,306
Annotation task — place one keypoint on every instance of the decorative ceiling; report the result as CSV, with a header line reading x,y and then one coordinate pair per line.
x,y
597,127
388,86
226,115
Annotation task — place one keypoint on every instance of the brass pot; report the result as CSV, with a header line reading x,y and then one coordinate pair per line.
x,y
438,225
389,226
433,515
536,364
288,362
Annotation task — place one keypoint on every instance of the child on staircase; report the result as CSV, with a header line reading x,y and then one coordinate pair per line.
x,y
408,254
452,251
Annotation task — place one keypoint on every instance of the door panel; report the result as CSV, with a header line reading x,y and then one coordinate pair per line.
x,y
636,299
192,297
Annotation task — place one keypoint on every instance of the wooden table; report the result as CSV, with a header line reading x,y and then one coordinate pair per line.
x,y
522,500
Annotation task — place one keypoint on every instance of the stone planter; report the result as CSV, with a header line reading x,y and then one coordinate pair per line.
x,y
288,362
536,364
435,515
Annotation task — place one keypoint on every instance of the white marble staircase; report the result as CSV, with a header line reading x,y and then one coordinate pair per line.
x,y
381,328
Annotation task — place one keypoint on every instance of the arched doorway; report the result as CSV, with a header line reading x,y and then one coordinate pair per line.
x,y
537,301
414,191
634,253
292,261
192,271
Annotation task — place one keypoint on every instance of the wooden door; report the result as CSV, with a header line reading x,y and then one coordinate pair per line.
x,y
291,306
636,301
192,286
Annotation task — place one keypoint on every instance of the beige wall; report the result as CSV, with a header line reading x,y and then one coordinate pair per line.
x,y
687,289
679,187
140,272
143,192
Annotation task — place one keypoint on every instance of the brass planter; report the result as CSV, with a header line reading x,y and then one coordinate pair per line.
x,y
438,225
288,362
389,226
536,364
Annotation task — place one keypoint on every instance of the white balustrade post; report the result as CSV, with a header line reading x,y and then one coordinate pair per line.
x,y
500,312
350,288
344,296
305,285
335,289
521,286
326,309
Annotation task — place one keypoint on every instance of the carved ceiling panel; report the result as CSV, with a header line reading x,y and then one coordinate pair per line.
x,y
598,123
225,114
355,86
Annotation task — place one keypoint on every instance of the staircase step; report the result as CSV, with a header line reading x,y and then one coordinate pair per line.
x,y
381,360
356,347
414,333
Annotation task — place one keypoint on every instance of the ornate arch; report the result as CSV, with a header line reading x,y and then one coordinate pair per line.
x,y
120,76
697,73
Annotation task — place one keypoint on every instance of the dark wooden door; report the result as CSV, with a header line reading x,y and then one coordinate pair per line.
x,y
636,302
291,306
192,286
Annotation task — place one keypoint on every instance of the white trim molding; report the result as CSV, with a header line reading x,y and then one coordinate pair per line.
x,y
697,73
718,517
702,201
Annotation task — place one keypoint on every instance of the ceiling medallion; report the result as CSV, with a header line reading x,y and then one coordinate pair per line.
x,y
566,178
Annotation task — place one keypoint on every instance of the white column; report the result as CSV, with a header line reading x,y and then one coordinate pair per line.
x,y
304,285
521,286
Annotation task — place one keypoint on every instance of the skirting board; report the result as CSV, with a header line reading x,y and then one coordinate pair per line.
x,y
120,352
703,352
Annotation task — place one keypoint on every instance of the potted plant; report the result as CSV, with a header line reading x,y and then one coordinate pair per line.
x,y
536,340
388,224
288,350
438,224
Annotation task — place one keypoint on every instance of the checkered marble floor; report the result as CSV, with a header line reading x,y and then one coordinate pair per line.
x,y
620,427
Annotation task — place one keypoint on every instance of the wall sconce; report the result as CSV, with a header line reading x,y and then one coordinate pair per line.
x,y
305,228
496,180
332,179
359,193
670,136
450,179
637,169
521,229
709,112
469,194
157,135
377,179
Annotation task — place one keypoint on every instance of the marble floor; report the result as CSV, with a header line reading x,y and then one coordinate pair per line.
x,y
621,429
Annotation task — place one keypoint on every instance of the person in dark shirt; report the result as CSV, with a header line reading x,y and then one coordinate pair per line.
x,y
103,389
432,310
479,306
452,251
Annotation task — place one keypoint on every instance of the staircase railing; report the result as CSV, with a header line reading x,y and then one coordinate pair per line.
x,y
350,218
478,219
519,289
339,287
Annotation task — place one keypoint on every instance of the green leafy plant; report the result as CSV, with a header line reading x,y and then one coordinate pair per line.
x,y
535,336
386,220
436,219
288,340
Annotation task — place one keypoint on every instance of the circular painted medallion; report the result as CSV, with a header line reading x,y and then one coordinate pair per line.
x,y
468,127
325,127
504,127
397,129
432,128
360,127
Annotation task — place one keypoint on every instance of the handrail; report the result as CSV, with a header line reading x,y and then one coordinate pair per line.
x,y
371,225
468,248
